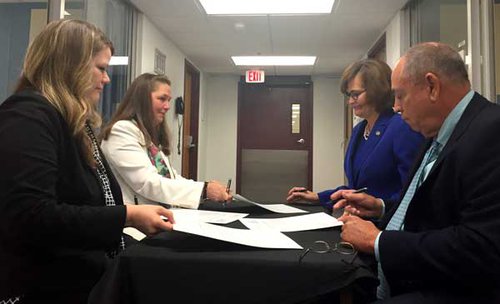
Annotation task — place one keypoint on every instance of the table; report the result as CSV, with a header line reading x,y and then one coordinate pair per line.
x,y
193,269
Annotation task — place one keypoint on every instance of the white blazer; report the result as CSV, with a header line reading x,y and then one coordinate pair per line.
x,y
126,153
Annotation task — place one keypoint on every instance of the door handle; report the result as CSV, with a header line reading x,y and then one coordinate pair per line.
x,y
301,141
190,142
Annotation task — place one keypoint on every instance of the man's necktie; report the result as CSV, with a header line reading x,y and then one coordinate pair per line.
x,y
397,220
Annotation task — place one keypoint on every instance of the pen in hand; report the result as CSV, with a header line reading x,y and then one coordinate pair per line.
x,y
361,190
341,211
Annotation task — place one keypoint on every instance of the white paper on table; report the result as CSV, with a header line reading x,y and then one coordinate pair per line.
x,y
277,208
293,223
133,232
261,239
191,215
206,216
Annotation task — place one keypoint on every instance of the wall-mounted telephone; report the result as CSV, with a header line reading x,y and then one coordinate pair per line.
x,y
179,106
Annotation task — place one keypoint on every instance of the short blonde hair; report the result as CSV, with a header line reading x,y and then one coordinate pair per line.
x,y
58,64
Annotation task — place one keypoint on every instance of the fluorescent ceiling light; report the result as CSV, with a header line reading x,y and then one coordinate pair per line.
x,y
267,7
273,60
119,60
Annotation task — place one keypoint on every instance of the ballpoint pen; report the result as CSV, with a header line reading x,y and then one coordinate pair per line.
x,y
329,204
228,189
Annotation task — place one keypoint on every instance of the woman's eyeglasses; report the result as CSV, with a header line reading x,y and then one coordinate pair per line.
x,y
323,247
354,94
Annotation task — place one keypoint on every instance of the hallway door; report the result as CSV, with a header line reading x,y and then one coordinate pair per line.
x,y
274,137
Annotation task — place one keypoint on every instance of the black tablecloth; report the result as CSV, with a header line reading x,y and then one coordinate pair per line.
x,y
193,269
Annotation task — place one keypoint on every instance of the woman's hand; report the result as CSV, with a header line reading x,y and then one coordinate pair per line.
x,y
301,193
147,218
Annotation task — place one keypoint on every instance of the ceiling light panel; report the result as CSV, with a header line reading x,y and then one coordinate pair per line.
x,y
273,60
267,7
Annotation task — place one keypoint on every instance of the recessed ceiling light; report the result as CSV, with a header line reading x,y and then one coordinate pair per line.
x,y
273,60
239,26
267,7
118,60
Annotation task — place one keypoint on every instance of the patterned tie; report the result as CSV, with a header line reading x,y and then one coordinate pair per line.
x,y
397,220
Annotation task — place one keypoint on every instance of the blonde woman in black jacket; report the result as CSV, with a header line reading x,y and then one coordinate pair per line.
x,y
61,211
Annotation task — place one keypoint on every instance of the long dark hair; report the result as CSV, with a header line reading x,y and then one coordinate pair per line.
x,y
136,105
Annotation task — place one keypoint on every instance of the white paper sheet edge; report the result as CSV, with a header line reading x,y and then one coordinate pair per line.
x,y
261,239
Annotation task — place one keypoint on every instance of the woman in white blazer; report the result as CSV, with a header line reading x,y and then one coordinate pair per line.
x,y
136,144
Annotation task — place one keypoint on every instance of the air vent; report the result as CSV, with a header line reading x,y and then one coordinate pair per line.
x,y
160,60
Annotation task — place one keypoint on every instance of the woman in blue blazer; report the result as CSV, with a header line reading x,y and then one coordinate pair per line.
x,y
382,146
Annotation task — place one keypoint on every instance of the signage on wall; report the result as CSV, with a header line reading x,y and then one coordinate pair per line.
x,y
254,76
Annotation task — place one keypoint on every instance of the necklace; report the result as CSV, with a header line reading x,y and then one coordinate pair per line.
x,y
367,131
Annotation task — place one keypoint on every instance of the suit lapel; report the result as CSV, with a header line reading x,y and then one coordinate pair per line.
x,y
474,107
351,148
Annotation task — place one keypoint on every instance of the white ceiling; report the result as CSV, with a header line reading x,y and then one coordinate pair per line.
x,y
336,39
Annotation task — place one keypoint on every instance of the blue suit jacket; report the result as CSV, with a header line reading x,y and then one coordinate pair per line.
x,y
391,150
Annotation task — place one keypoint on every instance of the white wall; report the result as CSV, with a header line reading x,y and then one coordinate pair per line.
x,y
220,125
328,134
393,35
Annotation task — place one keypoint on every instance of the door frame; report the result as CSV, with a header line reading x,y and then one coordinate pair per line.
x,y
190,125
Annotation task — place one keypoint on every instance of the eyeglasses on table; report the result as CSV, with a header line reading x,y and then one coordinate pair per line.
x,y
344,248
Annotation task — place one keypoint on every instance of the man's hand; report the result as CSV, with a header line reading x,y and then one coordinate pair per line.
x,y
360,204
360,233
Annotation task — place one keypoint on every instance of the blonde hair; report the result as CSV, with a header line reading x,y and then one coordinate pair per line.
x,y
58,64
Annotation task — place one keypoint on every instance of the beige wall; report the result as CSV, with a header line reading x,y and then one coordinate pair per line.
x,y
328,134
393,34
497,47
220,129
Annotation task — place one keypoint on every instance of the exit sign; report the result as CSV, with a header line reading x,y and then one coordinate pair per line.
x,y
254,76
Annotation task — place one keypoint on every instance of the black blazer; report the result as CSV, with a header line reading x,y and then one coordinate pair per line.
x,y
451,238
54,227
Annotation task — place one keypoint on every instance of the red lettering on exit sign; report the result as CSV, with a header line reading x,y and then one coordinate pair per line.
x,y
254,76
